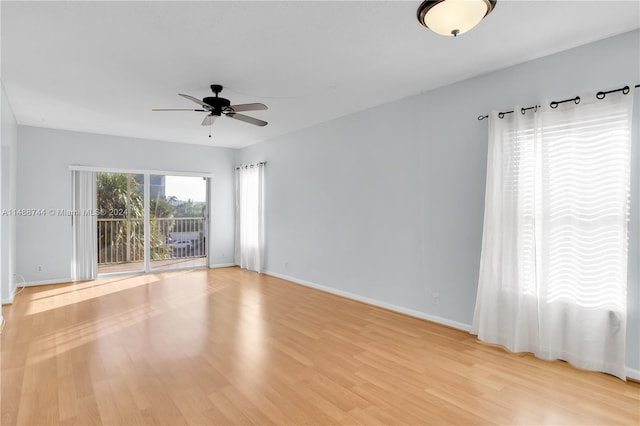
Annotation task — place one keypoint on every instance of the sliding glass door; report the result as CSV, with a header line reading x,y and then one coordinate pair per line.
x,y
120,203
178,222
172,210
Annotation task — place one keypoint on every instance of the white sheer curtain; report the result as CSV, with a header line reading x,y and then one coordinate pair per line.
x,y
553,272
249,241
85,246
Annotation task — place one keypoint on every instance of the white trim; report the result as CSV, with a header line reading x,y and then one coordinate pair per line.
x,y
221,265
74,167
47,282
210,236
374,302
9,300
146,223
120,274
632,373
186,268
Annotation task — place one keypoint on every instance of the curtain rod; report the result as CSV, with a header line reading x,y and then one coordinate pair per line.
x,y
554,104
244,166
79,168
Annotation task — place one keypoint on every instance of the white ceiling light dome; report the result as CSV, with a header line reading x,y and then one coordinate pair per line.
x,y
453,17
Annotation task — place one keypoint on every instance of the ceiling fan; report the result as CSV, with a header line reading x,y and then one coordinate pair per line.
x,y
216,106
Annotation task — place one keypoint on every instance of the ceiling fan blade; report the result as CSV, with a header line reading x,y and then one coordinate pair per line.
x,y
177,109
248,107
247,119
208,120
196,100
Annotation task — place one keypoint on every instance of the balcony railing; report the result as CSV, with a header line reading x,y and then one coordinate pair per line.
x,y
122,240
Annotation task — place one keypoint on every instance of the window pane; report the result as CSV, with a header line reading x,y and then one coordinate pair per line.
x,y
120,222
178,222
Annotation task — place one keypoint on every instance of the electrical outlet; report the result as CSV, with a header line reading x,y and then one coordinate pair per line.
x,y
436,298
38,268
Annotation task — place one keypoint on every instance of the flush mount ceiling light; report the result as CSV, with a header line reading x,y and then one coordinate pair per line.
x,y
453,17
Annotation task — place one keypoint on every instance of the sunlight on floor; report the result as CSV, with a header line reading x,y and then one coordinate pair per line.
x,y
81,292
118,316
213,346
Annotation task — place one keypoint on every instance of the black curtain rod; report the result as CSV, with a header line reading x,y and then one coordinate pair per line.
x,y
554,104
245,166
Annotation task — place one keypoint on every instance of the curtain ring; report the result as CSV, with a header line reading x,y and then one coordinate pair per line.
x,y
522,111
577,100
553,104
501,115
625,90
600,95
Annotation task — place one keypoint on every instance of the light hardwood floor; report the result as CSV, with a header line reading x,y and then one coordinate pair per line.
x,y
228,346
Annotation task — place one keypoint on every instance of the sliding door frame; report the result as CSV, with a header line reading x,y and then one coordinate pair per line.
x,y
147,223
147,220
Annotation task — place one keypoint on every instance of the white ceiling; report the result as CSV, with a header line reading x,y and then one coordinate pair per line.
x,y
101,67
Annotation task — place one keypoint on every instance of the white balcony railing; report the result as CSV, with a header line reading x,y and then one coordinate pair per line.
x,y
122,240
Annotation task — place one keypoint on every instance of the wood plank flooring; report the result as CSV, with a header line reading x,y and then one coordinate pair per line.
x,y
228,346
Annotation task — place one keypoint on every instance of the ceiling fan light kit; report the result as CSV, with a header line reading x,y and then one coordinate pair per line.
x,y
216,106
453,17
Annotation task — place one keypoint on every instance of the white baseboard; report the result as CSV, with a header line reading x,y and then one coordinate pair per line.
x,y
632,373
47,282
9,299
221,265
374,302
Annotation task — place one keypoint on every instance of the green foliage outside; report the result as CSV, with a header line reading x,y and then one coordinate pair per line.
x,y
120,196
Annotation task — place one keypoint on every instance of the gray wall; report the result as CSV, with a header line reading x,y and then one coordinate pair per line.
x,y
387,204
8,158
44,182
